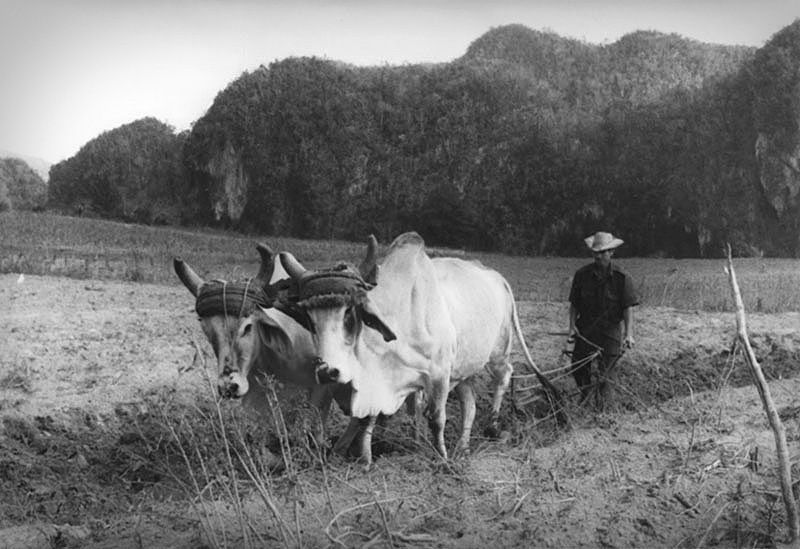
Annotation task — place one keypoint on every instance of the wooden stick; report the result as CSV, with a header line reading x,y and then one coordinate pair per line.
x,y
784,471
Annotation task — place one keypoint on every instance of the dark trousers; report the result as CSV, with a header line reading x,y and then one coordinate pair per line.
x,y
609,343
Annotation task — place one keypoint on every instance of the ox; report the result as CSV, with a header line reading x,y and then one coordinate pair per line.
x,y
410,324
252,334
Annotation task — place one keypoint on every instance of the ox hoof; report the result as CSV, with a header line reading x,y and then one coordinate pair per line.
x,y
366,464
344,449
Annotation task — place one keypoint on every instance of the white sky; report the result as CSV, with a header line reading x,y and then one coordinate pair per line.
x,y
71,69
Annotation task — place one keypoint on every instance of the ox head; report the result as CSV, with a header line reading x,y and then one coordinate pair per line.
x,y
267,342
338,308
220,305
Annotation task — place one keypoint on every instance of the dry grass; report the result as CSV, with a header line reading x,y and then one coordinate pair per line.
x,y
262,482
48,244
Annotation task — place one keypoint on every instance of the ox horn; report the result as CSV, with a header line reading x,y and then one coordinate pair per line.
x,y
187,275
267,264
369,267
292,267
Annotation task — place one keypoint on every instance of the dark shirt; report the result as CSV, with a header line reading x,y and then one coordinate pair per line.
x,y
600,297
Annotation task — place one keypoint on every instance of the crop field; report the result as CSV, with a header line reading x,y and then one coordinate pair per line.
x,y
48,244
111,433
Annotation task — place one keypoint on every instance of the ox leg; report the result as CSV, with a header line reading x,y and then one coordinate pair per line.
x,y
413,405
366,440
466,396
344,442
502,378
320,399
437,414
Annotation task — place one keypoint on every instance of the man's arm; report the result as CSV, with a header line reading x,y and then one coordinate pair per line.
x,y
627,321
573,316
574,297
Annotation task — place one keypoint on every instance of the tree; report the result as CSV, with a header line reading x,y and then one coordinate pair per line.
x,y
21,188
132,173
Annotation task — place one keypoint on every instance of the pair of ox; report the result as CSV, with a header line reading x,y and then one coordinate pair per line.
x,y
381,333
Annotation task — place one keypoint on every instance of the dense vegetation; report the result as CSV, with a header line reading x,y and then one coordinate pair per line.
x,y
525,144
131,173
20,187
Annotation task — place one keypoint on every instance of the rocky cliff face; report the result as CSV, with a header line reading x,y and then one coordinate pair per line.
x,y
778,164
231,184
779,174
775,87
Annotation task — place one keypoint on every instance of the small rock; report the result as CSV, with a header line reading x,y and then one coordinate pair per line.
x,y
80,461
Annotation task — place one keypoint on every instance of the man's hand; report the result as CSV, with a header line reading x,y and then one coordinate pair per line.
x,y
629,342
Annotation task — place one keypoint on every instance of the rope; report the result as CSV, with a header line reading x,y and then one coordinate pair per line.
x,y
219,297
568,369
574,365
343,281
242,308
224,300
244,299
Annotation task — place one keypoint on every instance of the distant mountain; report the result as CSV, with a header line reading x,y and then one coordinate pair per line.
x,y
132,172
20,187
525,144
638,68
543,53
41,167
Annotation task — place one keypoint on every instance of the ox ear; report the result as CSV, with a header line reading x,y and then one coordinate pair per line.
x,y
272,333
190,279
369,267
371,316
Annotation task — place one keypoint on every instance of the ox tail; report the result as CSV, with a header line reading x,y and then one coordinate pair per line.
x,y
554,396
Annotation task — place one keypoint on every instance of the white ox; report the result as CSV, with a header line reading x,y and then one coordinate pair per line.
x,y
272,341
413,324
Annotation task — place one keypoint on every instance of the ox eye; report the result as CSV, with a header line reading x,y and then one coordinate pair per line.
x,y
349,320
246,330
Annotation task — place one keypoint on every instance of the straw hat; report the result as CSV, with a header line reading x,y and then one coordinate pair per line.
x,y
600,242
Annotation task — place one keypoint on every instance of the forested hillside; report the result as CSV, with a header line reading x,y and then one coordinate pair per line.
x,y
132,172
21,188
525,144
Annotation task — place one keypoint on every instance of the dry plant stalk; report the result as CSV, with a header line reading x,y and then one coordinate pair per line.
x,y
784,471
259,476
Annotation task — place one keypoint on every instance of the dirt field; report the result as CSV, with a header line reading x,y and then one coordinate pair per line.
x,y
685,459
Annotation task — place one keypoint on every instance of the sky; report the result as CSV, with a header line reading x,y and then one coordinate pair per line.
x,y
72,69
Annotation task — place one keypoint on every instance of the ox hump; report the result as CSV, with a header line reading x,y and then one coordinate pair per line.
x,y
411,238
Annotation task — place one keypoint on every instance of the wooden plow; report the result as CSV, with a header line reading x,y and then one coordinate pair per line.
x,y
526,391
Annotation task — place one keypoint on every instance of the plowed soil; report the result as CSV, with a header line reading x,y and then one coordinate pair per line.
x,y
682,457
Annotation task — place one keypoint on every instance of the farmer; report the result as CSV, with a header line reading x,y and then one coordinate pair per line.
x,y
600,316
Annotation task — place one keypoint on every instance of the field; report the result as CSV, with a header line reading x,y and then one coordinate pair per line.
x,y
111,435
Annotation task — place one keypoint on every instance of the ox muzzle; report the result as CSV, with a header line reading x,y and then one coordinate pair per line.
x,y
324,372
232,385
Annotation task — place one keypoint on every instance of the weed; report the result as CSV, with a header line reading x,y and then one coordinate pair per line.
x,y
17,381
